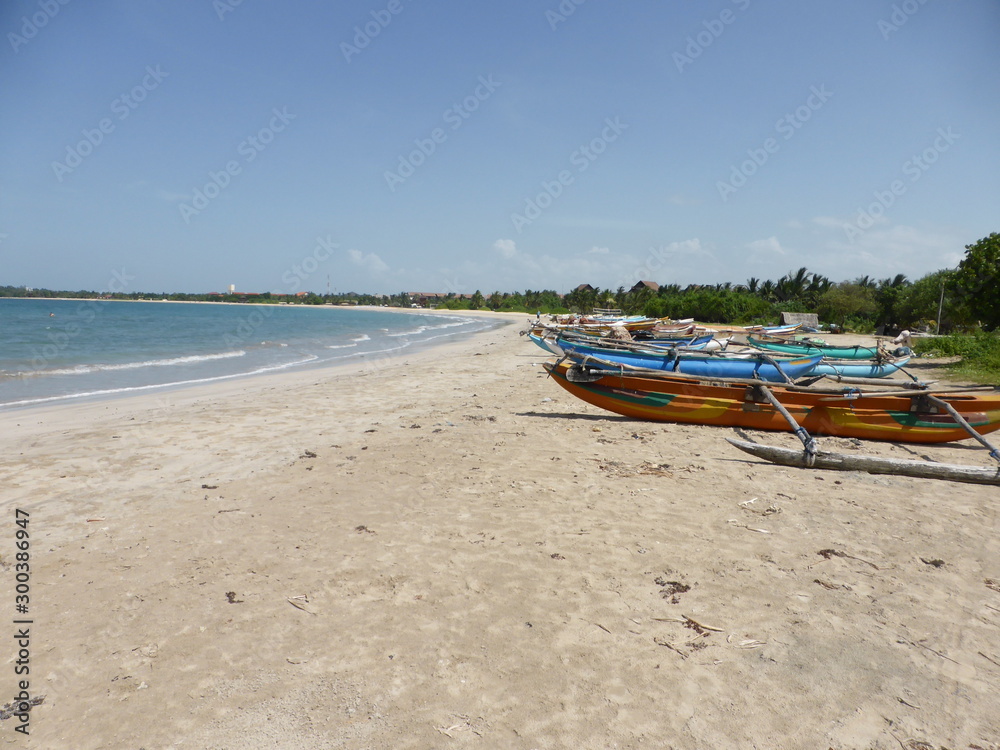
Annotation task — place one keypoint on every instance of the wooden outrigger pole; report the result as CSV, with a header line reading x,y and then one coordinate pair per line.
x,y
994,454
813,458
871,464
808,444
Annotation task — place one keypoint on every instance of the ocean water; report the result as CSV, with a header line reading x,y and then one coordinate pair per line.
x,y
59,350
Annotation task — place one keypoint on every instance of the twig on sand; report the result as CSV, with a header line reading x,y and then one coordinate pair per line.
x,y
301,602
933,651
991,661
744,526
663,642
828,553
466,724
690,622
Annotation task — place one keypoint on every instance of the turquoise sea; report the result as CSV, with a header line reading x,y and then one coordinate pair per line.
x,y
58,350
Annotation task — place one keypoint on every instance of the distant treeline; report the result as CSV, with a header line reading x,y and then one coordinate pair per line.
x,y
967,296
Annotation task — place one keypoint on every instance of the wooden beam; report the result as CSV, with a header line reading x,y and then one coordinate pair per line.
x,y
871,464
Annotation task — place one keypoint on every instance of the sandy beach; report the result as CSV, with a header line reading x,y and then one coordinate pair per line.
x,y
447,550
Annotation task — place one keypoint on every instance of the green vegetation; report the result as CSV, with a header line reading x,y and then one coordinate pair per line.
x,y
547,302
979,352
976,283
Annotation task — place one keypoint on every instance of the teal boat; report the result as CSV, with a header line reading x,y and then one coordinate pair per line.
x,y
854,368
808,349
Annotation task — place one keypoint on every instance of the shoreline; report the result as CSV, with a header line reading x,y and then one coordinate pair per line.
x,y
362,358
227,386
451,550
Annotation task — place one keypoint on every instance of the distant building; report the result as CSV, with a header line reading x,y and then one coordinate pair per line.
x,y
807,319
584,288
650,285
232,288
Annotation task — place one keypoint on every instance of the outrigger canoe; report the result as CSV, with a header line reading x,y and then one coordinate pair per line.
x,y
806,348
858,369
893,416
548,343
710,365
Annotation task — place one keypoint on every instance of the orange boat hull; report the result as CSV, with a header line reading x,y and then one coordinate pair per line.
x,y
871,417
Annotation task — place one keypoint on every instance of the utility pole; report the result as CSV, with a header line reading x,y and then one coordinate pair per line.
x,y
940,305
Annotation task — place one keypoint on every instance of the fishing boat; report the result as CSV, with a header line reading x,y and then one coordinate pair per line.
x,y
548,342
804,348
708,364
911,416
851,368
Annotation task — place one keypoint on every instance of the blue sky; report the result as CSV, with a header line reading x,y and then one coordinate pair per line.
x,y
406,145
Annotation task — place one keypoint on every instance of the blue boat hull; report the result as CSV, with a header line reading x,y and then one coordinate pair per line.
x,y
706,366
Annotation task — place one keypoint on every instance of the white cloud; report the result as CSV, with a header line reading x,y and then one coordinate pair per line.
x,y
886,251
369,261
509,267
767,247
506,248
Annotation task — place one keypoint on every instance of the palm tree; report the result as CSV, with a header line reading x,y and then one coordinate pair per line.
x,y
866,282
817,286
768,290
792,286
